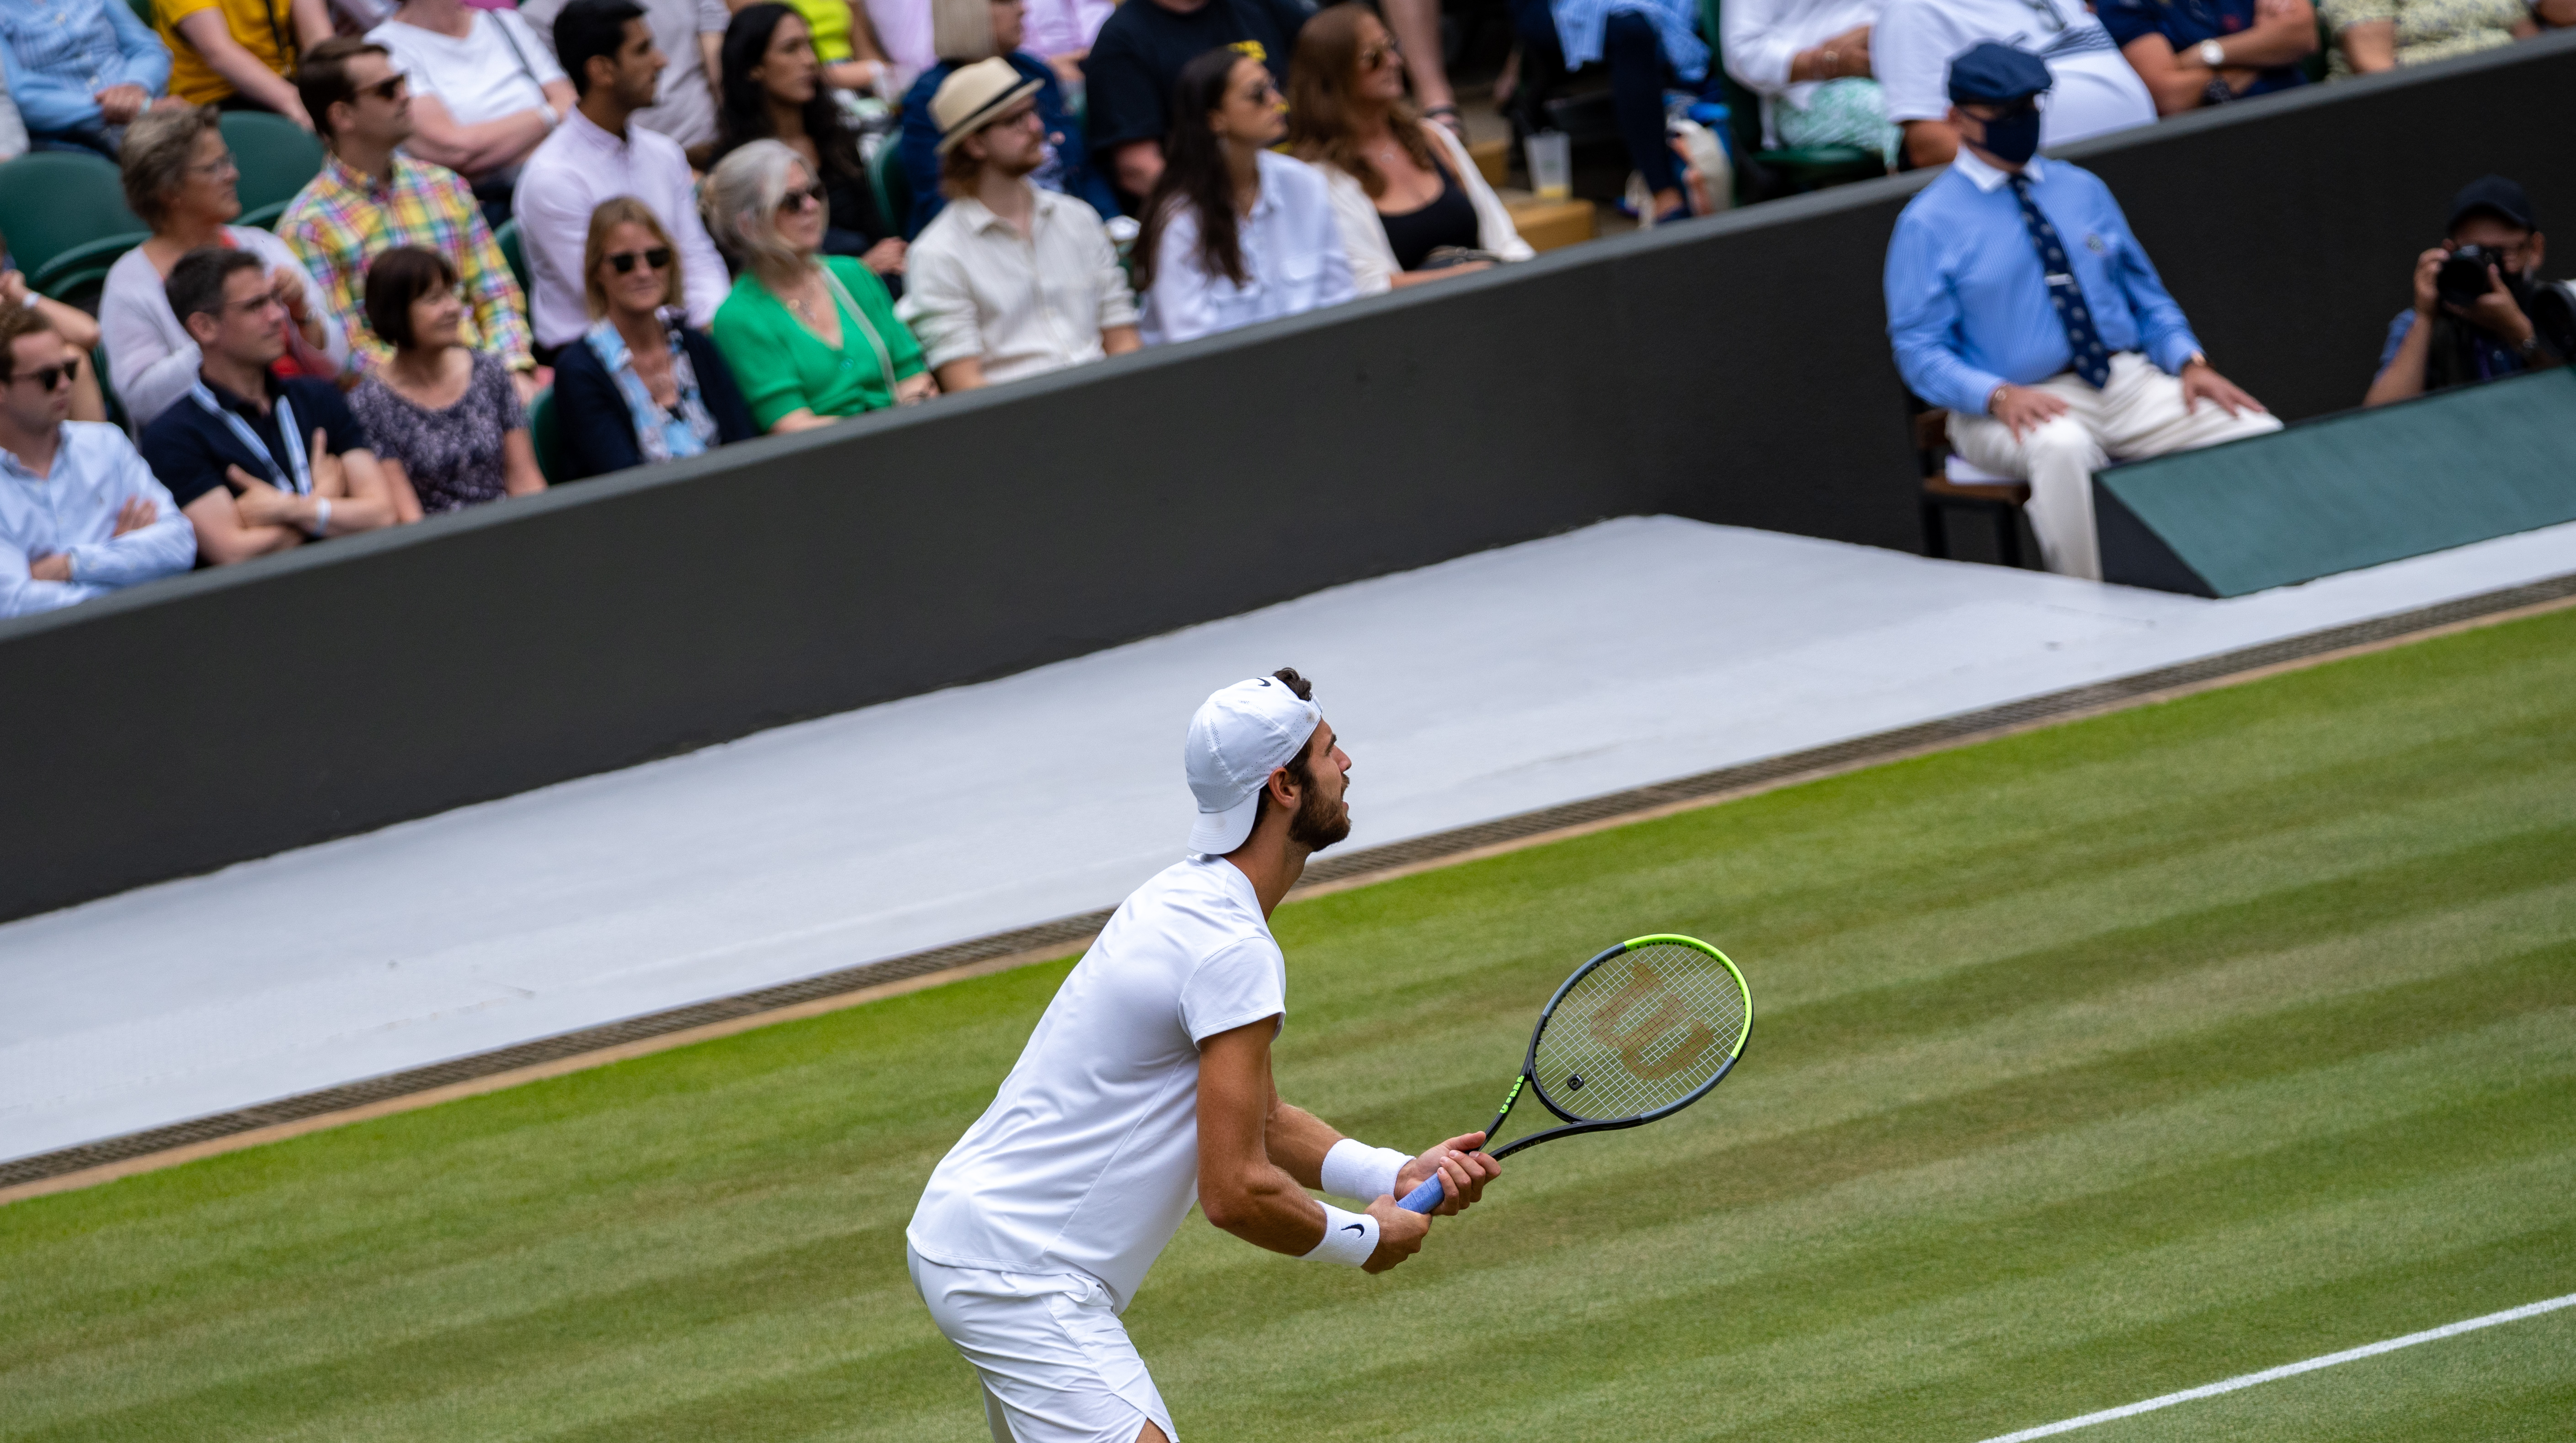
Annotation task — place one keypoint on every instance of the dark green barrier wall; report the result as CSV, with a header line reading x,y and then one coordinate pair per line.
x,y
2350,491
1733,369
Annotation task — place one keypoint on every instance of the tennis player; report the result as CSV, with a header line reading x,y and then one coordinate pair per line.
x,y
1145,1087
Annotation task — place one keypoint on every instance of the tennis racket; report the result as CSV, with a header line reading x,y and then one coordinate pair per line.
x,y
1636,1034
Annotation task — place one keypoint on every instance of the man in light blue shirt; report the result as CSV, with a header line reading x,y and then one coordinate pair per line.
x,y
80,514
2018,300
80,70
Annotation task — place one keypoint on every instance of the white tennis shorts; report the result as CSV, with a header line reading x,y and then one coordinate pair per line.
x,y
1056,1363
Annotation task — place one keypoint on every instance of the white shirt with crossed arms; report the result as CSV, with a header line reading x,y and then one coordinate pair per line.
x,y
1087,1161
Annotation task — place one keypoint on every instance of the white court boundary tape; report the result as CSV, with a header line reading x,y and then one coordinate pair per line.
x,y
2291,1370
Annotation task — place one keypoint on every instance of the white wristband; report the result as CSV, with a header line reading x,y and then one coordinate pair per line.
x,y
1353,1169
321,517
1349,1238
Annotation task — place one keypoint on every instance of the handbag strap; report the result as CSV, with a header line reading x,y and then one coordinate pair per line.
x,y
885,359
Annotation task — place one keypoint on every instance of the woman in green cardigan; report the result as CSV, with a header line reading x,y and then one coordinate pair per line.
x,y
812,338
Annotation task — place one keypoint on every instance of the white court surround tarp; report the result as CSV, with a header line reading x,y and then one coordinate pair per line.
x,y
1474,689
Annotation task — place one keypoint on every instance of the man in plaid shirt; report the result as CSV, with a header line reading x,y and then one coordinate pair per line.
x,y
367,199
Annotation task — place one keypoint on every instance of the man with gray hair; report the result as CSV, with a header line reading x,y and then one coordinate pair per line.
x,y
1147,1087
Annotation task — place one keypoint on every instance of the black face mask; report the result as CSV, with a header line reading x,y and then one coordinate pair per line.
x,y
2013,137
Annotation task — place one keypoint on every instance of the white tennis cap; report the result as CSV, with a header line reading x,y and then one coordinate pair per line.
x,y
1240,736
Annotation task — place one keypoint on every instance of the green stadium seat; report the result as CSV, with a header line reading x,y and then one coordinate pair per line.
x,y
514,251
63,216
142,10
542,437
893,188
276,157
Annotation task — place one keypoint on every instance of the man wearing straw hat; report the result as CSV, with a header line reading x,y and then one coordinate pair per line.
x,y
1008,280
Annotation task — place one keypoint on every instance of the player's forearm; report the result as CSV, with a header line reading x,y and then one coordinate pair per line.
x,y
1297,1141
1265,1207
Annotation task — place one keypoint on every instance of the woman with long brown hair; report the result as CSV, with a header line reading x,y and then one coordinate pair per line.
x,y
1408,199
1234,232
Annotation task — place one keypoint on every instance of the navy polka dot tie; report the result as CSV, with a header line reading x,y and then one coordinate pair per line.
x,y
2082,342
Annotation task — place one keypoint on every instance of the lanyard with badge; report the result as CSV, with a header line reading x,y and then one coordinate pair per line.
x,y
301,482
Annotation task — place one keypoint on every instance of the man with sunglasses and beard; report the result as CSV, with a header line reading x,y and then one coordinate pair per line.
x,y
599,153
1147,1086
368,199
1009,280
80,514
2018,299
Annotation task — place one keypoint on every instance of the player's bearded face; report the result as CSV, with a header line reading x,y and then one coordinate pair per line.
x,y
1321,820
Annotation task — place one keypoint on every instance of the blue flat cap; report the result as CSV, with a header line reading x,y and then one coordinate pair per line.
x,y
1996,74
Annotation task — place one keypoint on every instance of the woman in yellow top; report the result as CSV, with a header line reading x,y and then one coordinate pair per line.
x,y
239,53
811,338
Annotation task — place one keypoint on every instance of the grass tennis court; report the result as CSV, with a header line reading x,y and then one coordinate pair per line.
x,y
2092,1064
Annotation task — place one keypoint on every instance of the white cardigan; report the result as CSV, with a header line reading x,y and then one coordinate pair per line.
x,y
1373,267
150,359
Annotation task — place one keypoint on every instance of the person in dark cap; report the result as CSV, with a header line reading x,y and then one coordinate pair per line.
x,y
2481,310
2018,300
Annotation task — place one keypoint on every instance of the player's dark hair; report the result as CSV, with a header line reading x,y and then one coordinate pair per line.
x,y
196,284
1288,677
589,28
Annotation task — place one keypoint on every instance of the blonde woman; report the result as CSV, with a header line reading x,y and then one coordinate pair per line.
x,y
810,337
640,387
180,178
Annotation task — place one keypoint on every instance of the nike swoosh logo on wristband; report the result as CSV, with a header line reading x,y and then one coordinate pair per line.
x,y
1353,1228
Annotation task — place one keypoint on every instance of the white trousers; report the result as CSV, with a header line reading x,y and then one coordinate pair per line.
x,y
1054,1359
2140,413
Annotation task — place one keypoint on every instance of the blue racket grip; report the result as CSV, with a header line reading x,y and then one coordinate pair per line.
x,y
1425,1198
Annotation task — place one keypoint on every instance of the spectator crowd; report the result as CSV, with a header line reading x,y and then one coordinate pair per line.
x,y
578,236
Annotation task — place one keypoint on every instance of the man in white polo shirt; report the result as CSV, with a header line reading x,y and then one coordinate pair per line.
x,y
1911,47
1146,1087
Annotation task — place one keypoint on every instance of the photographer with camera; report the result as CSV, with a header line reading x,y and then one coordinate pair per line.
x,y
2481,310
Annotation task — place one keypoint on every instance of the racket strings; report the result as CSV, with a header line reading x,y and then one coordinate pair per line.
x,y
1641,1032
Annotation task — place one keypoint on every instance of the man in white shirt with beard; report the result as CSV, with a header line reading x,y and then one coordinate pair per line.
x,y
1145,1087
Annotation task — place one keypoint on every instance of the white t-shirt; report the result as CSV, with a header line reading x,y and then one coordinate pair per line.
x,y
480,77
1911,46
1088,1158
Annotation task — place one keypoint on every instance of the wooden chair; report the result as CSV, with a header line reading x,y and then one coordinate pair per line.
x,y
1998,498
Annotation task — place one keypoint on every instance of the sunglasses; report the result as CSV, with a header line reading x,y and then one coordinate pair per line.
x,y
658,258
387,88
1377,56
799,199
48,377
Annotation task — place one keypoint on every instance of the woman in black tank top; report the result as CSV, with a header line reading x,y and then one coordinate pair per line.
x,y
1347,111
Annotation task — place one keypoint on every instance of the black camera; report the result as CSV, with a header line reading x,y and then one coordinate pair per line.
x,y
2463,278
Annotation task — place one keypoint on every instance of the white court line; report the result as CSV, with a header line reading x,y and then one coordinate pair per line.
x,y
2291,1370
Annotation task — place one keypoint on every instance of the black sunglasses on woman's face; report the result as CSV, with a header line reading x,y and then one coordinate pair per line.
x,y
658,258
801,198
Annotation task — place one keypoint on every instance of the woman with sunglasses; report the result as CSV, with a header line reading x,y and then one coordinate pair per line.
x,y
180,178
446,423
640,387
775,89
810,337
1234,232
1408,198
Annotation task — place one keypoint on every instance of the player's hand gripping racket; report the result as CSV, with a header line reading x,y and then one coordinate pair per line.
x,y
1637,1033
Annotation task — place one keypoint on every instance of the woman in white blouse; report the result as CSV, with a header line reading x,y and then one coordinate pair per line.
x,y
484,90
180,178
1809,61
1407,196
1234,232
